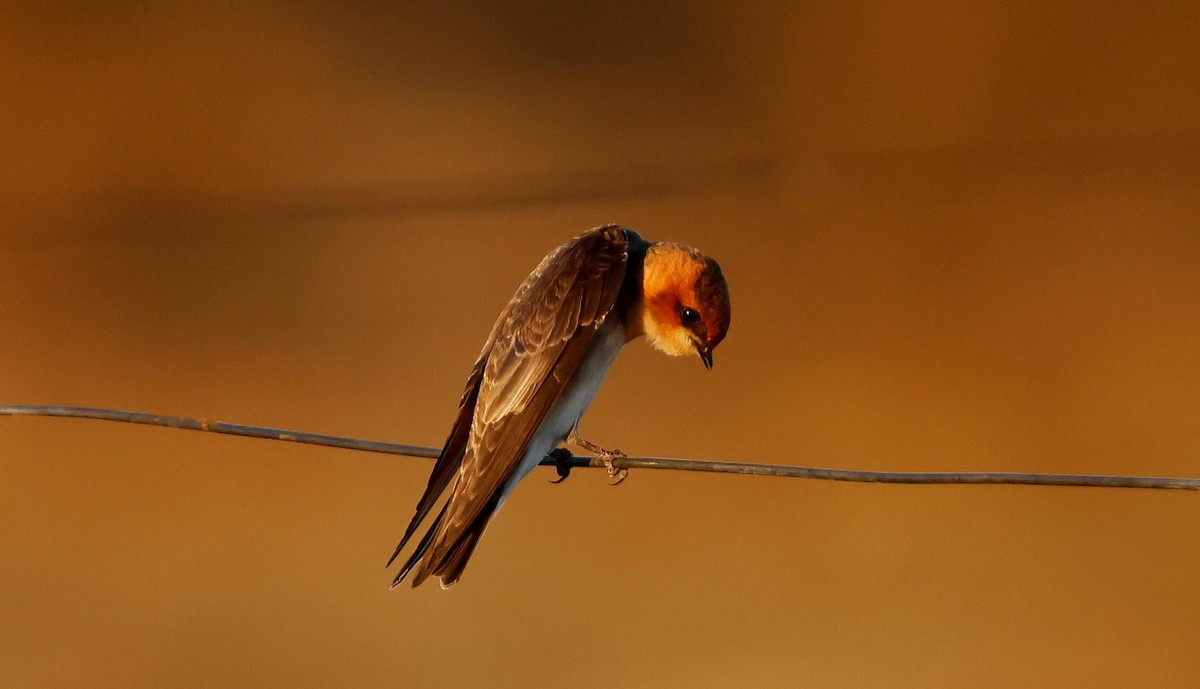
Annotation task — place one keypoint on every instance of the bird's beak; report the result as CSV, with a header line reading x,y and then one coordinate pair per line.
x,y
705,355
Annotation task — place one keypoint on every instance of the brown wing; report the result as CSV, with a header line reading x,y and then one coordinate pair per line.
x,y
536,346
451,456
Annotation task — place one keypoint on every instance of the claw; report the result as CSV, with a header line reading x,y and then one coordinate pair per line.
x,y
606,457
617,474
562,463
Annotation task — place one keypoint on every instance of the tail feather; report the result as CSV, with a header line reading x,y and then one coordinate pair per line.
x,y
445,468
449,558
449,459
419,551
456,561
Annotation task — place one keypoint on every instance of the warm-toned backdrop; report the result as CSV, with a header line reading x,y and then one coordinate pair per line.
x,y
957,239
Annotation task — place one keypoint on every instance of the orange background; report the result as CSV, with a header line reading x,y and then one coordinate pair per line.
x,y
957,239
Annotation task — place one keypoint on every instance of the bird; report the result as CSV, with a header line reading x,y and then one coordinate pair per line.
x,y
541,366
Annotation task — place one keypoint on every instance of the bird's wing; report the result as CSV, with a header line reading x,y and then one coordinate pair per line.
x,y
452,452
537,347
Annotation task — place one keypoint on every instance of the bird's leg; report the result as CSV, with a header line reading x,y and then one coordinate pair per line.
x,y
606,456
562,463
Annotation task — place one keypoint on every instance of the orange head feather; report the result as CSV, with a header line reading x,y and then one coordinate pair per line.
x,y
685,301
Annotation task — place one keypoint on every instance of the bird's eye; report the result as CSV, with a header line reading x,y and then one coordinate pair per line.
x,y
689,316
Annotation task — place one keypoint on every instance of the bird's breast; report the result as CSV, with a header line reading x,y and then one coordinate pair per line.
x,y
581,390
577,395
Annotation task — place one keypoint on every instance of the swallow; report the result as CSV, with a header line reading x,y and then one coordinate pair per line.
x,y
542,365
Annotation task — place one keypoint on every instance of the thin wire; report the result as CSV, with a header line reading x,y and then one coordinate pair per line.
x,y
576,461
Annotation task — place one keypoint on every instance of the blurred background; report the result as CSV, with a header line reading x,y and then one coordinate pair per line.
x,y
957,238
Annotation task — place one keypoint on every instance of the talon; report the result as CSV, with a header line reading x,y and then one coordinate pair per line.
x,y
562,463
615,473
606,457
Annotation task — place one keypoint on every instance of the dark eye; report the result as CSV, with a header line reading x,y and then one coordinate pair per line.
x,y
689,316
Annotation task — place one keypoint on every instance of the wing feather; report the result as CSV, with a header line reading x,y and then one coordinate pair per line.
x,y
448,460
536,347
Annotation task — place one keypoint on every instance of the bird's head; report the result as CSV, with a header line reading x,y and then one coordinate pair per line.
x,y
685,307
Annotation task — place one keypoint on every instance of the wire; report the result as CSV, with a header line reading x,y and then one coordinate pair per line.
x,y
565,463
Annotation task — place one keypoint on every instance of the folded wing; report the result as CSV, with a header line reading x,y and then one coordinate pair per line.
x,y
534,350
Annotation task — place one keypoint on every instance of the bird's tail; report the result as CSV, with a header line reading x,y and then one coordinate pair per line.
x,y
419,551
444,470
449,558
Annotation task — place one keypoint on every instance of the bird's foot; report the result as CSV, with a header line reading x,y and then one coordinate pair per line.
x,y
607,457
562,463
617,474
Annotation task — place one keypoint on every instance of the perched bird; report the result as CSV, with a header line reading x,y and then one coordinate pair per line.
x,y
542,365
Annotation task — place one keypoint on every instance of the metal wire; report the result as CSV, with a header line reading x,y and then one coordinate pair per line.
x,y
576,461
